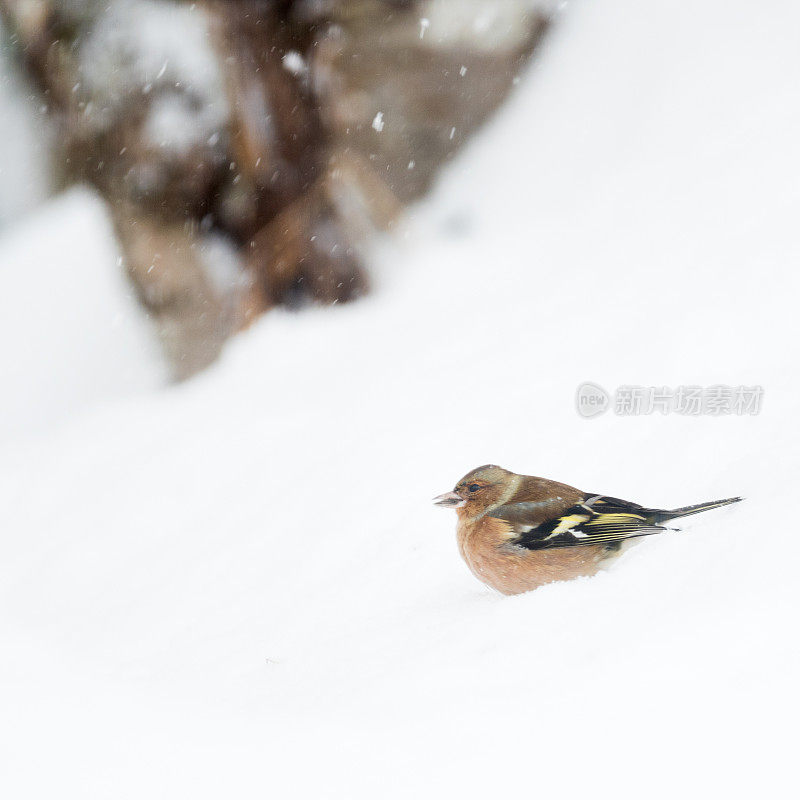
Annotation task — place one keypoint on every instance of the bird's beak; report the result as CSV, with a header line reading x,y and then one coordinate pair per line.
x,y
449,500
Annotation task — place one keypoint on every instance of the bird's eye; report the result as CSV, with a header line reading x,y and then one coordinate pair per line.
x,y
473,487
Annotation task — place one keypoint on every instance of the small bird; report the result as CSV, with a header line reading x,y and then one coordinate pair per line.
x,y
518,532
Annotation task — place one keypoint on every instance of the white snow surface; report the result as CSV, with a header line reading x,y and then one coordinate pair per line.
x,y
477,25
75,337
238,587
26,138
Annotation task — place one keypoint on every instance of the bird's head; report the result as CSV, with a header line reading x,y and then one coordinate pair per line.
x,y
477,490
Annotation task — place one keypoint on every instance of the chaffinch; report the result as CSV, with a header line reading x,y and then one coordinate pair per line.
x,y
517,532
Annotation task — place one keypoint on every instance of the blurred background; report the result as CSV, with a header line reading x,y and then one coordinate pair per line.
x,y
277,272
242,152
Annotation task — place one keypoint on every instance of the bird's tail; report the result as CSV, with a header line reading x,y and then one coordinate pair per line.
x,y
685,511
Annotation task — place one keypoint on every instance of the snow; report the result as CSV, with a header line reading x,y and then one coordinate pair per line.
x,y
424,24
238,586
166,124
26,136
75,337
502,25
160,48
294,63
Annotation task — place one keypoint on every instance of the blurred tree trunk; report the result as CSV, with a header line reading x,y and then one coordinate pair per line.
x,y
246,148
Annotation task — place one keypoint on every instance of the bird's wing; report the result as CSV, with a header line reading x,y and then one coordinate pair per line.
x,y
598,520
